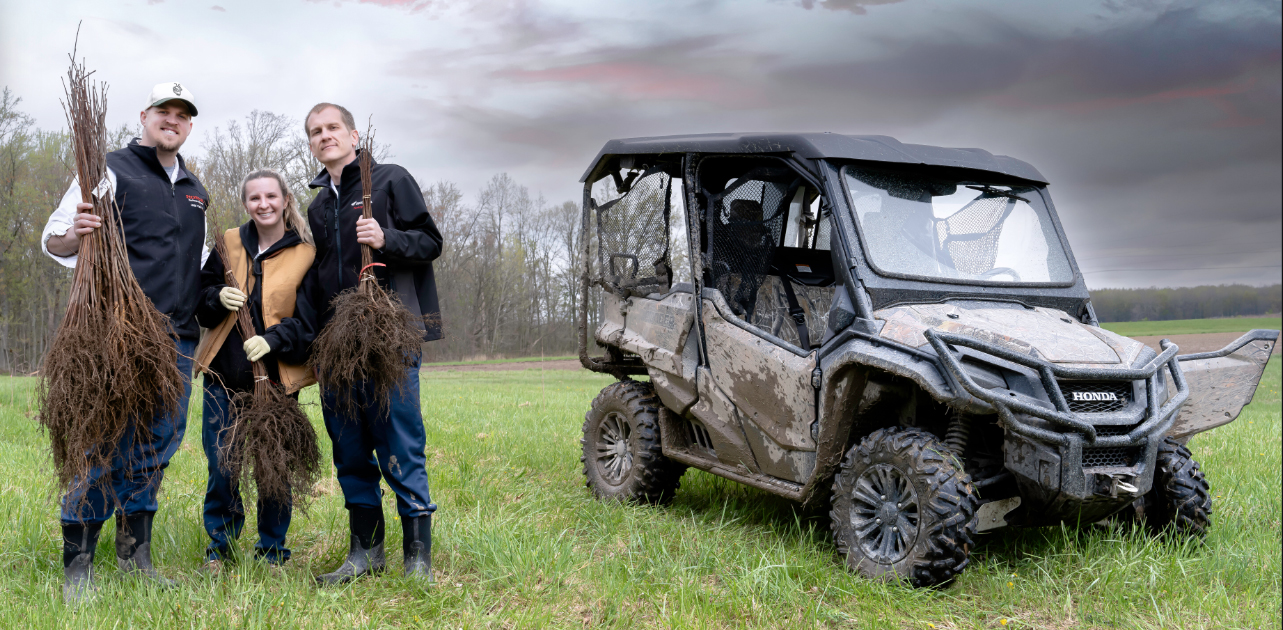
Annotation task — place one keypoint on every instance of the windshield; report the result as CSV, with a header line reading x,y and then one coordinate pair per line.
x,y
953,230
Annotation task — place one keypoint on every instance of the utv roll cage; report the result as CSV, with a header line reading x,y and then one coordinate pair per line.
x,y
819,158
925,397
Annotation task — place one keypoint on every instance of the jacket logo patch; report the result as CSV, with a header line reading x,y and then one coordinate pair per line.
x,y
196,202
358,204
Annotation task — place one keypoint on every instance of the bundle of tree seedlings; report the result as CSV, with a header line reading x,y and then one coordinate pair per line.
x,y
113,363
270,440
372,337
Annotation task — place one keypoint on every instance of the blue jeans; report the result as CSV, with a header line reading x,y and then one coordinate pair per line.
x,y
224,513
137,465
377,441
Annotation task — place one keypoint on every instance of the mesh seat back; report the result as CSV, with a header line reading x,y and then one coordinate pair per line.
x,y
633,236
971,234
745,225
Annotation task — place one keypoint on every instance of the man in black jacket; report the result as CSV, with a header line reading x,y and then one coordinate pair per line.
x,y
162,210
378,439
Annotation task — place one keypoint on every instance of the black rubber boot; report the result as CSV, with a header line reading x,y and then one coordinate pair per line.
x,y
133,547
417,546
365,555
78,545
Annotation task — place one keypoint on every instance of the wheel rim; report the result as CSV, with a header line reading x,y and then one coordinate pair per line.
x,y
884,513
614,457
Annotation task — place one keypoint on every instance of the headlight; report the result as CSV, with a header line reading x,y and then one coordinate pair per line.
x,y
986,376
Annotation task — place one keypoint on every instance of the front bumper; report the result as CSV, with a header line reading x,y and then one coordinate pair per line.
x,y
1048,461
1153,419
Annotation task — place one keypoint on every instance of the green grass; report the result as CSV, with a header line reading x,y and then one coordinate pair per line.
x,y
493,361
520,544
1192,326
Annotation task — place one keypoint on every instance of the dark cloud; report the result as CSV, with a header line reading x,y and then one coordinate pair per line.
x,y
1158,122
412,6
851,6
1160,131
1162,57
1177,48
689,69
928,73
137,30
670,86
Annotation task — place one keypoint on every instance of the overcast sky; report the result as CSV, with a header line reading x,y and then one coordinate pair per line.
x,y
1157,123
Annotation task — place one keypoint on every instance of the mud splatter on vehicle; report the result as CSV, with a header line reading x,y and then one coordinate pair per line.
x,y
900,330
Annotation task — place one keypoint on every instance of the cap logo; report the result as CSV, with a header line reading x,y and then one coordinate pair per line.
x,y
178,89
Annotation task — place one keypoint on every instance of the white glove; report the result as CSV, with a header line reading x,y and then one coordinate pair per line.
x,y
256,348
232,299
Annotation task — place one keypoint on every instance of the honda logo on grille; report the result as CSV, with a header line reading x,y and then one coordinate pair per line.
x,y
1085,396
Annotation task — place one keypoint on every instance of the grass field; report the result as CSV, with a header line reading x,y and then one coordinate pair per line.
x,y
519,543
1192,326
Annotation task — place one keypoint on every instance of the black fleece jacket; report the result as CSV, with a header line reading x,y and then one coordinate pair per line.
x,y
411,243
288,339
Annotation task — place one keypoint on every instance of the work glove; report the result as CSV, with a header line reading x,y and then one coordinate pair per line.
x,y
256,348
232,299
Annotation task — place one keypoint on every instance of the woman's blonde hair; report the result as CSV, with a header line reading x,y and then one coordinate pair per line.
x,y
293,219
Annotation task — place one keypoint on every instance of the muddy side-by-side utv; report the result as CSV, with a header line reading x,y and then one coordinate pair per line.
x,y
898,331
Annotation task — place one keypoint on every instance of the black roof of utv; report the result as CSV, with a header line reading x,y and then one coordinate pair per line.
x,y
821,145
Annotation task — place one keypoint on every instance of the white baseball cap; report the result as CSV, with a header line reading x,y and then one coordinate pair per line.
x,y
164,92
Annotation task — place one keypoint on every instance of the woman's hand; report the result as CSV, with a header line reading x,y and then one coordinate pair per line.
x,y
369,233
256,348
231,299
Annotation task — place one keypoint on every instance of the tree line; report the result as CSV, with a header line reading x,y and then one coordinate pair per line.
x,y
1154,304
506,279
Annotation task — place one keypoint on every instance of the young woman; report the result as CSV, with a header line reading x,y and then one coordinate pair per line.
x,y
270,254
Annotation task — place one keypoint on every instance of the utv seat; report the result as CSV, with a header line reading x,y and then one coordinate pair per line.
x,y
747,235
800,284
812,267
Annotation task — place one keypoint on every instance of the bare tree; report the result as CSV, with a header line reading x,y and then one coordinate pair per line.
x,y
507,277
263,140
34,174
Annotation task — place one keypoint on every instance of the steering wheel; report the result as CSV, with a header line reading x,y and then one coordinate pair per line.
x,y
998,271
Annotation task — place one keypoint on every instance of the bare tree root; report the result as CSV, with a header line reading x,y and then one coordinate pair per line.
x,y
113,364
371,340
272,442
104,380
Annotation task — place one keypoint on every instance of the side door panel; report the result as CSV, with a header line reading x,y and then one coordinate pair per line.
x,y
771,388
659,332
756,387
724,424
656,330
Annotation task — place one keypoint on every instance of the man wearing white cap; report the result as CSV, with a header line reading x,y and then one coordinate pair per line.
x,y
162,212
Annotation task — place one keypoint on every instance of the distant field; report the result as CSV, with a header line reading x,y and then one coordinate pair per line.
x,y
1192,326
494,361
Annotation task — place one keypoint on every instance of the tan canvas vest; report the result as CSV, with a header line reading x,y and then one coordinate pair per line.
x,y
282,273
